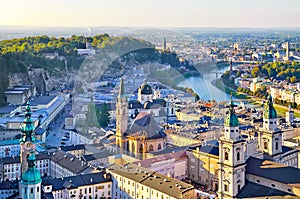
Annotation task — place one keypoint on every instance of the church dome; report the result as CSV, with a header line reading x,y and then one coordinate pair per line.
x,y
269,110
31,175
145,89
231,119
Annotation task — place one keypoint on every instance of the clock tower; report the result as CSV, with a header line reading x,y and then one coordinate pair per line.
x,y
27,141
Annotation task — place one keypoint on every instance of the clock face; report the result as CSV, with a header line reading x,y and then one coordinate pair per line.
x,y
28,145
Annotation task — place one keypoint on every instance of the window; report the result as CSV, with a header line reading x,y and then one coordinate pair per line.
x,y
225,187
159,147
238,156
239,187
37,189
31,190
226,155
150,147
265,145
273,185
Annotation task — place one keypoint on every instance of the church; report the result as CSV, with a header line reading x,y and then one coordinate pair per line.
x,y
144,134
148,100
253,177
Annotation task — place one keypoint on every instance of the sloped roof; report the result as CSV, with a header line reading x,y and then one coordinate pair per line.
x,y
145,124
272,170
252,190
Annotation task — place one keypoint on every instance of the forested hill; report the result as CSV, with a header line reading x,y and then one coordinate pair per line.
x,y
24,54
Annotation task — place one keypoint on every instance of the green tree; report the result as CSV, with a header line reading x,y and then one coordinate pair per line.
x,y
104,116
92,116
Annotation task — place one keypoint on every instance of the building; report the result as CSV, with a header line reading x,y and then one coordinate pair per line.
x,y
231,157
270,139
9,148
148,101
173,165
97,185
132,181
144,134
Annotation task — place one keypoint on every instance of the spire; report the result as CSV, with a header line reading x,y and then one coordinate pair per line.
x,y
122,90
231,119
27,128
269,110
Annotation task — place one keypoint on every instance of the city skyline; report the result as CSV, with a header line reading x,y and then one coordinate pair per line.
x,y
134,13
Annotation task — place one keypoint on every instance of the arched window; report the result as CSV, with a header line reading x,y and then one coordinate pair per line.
x,y
276,145
238,156
150,147
266,145
226,155
159,147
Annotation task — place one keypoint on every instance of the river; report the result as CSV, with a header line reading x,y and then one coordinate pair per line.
x,y
203,86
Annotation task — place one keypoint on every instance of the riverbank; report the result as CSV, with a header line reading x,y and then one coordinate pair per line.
x,y
218,83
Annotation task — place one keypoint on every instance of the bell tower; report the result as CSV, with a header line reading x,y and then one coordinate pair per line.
x,y
27,141
269,136
121,116
231,157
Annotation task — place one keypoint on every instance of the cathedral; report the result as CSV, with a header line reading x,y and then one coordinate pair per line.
x,y
241,175
144,134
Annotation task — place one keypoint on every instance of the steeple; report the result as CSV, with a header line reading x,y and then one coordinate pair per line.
x,y
121,89
231,157
121,116
269,116
231,119
165,44
27,128
30,185
269,110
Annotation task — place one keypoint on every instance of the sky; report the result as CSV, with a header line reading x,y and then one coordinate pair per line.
x,y
151,13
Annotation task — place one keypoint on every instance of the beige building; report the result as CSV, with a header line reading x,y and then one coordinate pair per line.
x,y
132,181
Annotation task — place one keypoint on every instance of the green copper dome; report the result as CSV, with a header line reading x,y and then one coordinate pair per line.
x,y
231,119
269,110
32,175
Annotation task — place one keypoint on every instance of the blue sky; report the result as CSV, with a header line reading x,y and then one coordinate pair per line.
x,y
152,13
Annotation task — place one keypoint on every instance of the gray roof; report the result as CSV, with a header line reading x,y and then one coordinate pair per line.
x,y
253,190
73,147
273,171
41,100
145,125
73,182
7,109
68,161
95,156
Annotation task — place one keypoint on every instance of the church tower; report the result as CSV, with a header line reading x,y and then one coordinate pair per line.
x,y
231,157
270,137
121,116
27,141
289,116
30,185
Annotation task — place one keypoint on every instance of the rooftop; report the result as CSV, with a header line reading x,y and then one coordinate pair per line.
x,y
73,182
159,182
252,190
41,100
274,171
